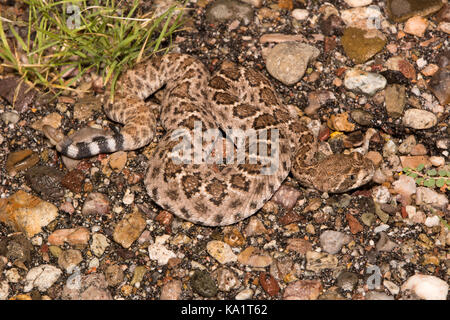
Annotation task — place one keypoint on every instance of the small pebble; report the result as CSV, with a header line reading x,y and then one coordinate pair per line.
x,y
99,244
365,18
437,161
392,287
303,290
69,259
299,245
363,82
358,3
129,229
287,61
254,257
171,290
269,284
416,26
10,117
317,261
96,203
72,236
221,252
332,241
20,160
427,287
245,294
419,119
202,283
226,279
300,14
26,213
157,251
255,227
432,221
381,228
429,196
114,275
384,243
347,281
4,290
41,277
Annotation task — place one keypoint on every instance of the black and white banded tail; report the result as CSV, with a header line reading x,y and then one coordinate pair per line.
x,y
86,149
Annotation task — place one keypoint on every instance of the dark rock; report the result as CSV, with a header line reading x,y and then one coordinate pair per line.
x,y
394,77
202,283
46,181
361,117
24,97
402,10
16,248
347,281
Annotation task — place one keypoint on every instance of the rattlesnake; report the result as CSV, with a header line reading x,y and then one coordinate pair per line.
x,y
238,98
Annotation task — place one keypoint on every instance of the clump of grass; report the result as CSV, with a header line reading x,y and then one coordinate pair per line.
x,y
68,38
429,178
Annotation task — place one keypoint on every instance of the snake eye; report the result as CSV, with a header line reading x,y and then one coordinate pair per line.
x,y
352,177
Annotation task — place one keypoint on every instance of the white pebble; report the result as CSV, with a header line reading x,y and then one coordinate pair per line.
x,y
427,287
358,3
128,198
245,294
432,221
381,194
381,228
414,215
405,186
429,196
41,277
361,81
437,161
94,263
300,14
160,253
416,91
36,241
12,275
421,62
4,290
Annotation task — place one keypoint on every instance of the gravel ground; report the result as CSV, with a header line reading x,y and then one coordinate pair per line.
x,y
88,230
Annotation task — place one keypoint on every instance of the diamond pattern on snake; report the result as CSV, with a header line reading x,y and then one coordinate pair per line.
x,y
217,180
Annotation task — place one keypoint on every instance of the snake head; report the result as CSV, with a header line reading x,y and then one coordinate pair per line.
x,y
340,172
